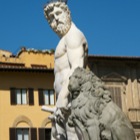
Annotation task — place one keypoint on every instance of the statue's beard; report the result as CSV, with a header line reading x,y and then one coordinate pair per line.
x,y
63,27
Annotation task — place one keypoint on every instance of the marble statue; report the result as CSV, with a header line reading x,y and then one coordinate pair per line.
x,y
71,52
84,108
93,112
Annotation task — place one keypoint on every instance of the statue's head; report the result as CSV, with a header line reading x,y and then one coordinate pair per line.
x,y
58,15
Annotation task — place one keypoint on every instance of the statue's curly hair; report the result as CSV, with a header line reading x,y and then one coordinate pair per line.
x,y
50,6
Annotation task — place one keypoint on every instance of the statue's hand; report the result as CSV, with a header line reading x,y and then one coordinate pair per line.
x,y
70,120
59,115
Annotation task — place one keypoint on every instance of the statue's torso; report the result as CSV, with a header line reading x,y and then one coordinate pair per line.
x,y
62,67
67,46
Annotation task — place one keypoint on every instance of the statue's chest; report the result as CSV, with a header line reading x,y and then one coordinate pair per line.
x,y
60,49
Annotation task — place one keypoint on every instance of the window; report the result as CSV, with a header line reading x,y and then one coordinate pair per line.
x,y
22,96
46,97
23,134
44,134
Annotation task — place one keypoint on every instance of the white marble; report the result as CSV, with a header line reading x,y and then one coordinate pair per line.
x,y
71,52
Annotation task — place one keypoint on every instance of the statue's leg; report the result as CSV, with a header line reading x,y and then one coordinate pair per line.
x,y
93,129
61,131
106,134
122,131
71,133
58,131
82,129
53,130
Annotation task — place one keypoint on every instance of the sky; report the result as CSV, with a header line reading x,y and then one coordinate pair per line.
x,y
112,27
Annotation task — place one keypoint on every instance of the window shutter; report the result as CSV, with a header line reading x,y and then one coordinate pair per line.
x,y
48,134
13,96
41,96
33,133
31,96
116,95
12,134
41,134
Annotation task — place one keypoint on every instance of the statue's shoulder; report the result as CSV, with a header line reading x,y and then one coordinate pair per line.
x,y
75,36
75,31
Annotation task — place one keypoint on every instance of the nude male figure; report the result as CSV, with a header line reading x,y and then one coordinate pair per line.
x,y
71,52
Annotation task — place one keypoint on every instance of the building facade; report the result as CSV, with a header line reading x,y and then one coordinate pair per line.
x,y
121,76
26,83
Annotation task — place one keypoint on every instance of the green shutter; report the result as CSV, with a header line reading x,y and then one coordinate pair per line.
x,y
31,96
41,96
12,133
13,96
48,134
33,133
41,133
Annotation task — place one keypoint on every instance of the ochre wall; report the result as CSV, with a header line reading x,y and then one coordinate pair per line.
x,y
29,57
37,58
11,114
